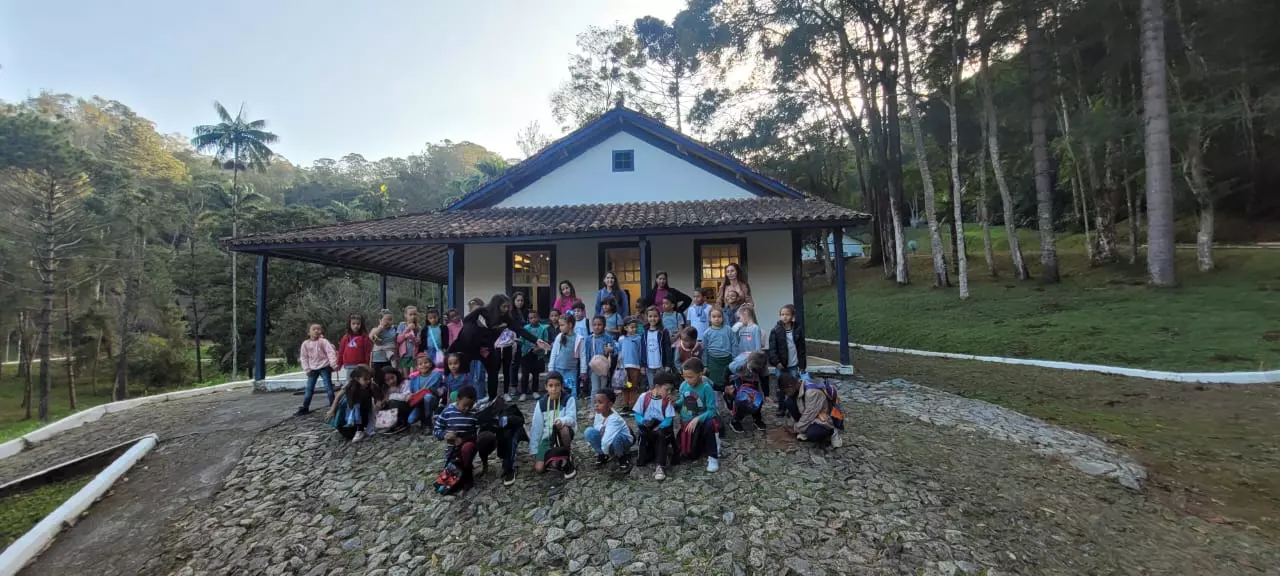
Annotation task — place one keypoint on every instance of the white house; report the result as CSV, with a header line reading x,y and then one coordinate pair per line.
x,y
624,193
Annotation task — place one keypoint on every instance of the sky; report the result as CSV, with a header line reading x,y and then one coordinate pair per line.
x,y
379,77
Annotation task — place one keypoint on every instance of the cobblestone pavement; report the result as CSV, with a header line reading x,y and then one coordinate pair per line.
x,y
903,496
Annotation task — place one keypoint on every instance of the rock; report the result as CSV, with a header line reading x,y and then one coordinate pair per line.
x,y
471,570
574,527
357,562
620,557
555,534
799,565
352,544
1094,468
497,558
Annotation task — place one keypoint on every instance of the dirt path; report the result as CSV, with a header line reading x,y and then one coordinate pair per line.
x,y
201,439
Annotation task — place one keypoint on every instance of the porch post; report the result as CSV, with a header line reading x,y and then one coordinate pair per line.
x,y
797,274
842,309
645,280
457,256
260,324
382,290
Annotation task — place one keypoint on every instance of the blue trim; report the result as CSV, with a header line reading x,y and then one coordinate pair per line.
x,y
260,324
842,308
646,266
624,160
636,124
457,255
797,274
510,270
698,243
382,290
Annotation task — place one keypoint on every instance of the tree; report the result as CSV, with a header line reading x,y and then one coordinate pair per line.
x,y
991,127
959,26
602,74
44,182
531,140
1155,118
940,275
1037,69
237,144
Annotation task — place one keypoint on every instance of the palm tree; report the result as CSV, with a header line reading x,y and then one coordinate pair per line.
x,y
237,144
1155,114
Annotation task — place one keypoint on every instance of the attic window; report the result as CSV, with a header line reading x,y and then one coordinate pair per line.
x,y
624,160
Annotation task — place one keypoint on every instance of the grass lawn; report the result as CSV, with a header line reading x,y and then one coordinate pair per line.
x,y
1227,320
21,512
13,422
1211,450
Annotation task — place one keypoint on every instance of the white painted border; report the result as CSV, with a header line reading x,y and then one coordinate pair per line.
x,y
1268,377
26,548
83,417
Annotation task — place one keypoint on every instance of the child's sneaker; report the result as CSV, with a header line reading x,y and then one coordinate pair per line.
x,y
737,426
802,437
624,465
713,465
836,441
358,437
536,396
569,471
601,460
301,412
524,397
659,474
506,397
509,477
759,424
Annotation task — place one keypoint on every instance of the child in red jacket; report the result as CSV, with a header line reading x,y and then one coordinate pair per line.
x,y
355,348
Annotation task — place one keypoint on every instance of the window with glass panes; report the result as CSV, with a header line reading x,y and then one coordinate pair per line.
x,y
531,274
712,258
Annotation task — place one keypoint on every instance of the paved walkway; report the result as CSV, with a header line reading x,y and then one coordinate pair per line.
x,y
903,496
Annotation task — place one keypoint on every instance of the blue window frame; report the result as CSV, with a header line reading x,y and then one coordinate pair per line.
x,y
624,160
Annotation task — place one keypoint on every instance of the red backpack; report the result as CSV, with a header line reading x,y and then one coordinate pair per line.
x,y
648,396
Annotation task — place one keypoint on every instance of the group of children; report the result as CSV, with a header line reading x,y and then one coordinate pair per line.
x,y
667,372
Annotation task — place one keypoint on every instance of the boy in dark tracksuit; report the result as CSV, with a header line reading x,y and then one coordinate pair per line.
x,y
787,349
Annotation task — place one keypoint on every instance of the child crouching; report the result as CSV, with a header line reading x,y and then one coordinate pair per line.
x,y
655,422
551,432
426,387
743,395
699,418
458,427
610,435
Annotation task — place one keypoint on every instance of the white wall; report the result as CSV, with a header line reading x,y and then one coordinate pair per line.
x,y
768,267
658,177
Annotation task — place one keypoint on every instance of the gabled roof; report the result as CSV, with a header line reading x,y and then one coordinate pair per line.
x,y
646,128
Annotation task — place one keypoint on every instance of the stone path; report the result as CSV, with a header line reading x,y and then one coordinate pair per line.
x,y
903,496
1085,453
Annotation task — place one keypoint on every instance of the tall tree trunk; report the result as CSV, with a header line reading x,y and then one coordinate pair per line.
x,y
940,275
993,146
957,188
71,366
127,314
24,362
195,308
1194,173
1155,117
235,231
1105,246
984,214
1040,148
1131,204
97,351
47,265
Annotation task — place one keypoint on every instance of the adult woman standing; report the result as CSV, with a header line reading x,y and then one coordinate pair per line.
x,y
609,289
567,298
661,289
480,329
735,278
510,361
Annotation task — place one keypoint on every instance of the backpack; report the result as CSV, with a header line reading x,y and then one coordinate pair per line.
x,y
557,458
833,400
448,478
644,406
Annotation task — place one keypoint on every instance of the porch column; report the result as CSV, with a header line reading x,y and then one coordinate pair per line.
x,y
645,281
457,256
842,308
382,290
260,324
797,274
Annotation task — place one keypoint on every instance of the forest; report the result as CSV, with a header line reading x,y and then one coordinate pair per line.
x,y
1137,123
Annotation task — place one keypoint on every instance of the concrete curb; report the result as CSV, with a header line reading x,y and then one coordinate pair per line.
x,y
1245,378
83,417
26,548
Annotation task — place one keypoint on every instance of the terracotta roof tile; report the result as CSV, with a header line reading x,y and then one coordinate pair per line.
x,y
552,221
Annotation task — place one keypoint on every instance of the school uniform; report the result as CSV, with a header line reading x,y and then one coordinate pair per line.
x,y
719,346
594,346
655,425
566,358
610,435
699,317
655,352
704,440
546,413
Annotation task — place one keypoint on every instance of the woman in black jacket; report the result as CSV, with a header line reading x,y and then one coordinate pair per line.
x,y
662,289
509,361
480,329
